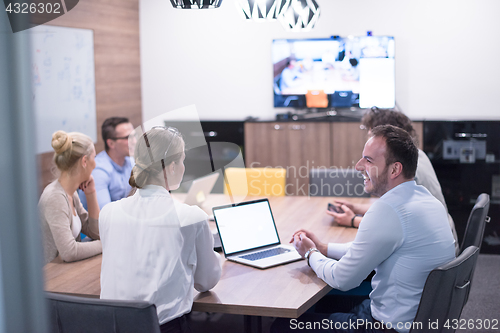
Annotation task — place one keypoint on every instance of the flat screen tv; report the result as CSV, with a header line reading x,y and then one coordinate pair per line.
x,y
336,72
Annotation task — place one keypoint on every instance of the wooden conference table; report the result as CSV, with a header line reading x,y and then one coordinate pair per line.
x,y
283,291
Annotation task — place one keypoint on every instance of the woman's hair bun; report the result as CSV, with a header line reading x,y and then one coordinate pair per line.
x,y
61,141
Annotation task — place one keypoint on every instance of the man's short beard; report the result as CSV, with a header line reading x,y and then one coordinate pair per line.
x,y
380,188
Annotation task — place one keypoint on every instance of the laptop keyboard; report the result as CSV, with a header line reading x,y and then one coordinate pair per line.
x,y
265,254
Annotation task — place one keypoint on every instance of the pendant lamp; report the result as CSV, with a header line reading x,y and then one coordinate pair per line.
x,y
196,4
301,15
262,10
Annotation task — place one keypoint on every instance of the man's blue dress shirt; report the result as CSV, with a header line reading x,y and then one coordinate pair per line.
x,y
111,180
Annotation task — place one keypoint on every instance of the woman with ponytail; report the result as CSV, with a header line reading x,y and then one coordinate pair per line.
x,y
157,249
61,212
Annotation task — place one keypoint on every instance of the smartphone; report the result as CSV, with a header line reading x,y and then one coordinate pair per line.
x,y
336,209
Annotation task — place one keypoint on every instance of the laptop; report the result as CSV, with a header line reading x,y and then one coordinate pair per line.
x,y
200,189
249,236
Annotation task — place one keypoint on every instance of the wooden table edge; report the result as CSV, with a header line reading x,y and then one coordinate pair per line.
x,y
72,294
257,311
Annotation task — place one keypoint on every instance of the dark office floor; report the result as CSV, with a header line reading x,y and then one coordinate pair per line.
x,y
484,298
491,239
201,322
484,303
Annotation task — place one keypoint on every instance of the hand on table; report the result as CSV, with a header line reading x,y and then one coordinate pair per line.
x,y
344,218
305,240
302,243
358,208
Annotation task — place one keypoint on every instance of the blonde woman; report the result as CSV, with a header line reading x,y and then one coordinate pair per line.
x,y
155,248
61,212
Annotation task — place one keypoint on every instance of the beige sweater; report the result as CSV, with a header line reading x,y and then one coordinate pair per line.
x,y
56,218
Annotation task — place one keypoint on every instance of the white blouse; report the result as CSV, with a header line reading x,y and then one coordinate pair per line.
x,y
156,249
76,226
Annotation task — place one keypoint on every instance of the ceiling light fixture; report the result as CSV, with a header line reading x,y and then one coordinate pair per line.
x,y
262,10
196,4
301,15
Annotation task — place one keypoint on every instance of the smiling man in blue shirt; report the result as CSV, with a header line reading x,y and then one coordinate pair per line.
x,y
403,236
113,164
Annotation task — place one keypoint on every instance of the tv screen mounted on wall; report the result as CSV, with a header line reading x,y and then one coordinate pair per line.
x,y
334,72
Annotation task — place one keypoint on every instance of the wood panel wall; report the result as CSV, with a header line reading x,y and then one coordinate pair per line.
x,y
418,126
117,64
348,141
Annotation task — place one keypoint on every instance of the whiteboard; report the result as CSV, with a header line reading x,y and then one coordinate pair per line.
x,y
63,79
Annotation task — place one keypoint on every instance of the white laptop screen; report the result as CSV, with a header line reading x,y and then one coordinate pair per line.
x,y
246,226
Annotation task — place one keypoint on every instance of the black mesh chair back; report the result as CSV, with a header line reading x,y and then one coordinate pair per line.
x,y
336,183
476,223
71,314
445,293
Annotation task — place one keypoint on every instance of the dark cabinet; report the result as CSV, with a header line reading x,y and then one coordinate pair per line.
x,y
466,158
210,145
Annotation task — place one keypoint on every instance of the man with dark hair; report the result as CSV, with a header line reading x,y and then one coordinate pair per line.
x,y
113,165
109,129
425,174
404,235
376,117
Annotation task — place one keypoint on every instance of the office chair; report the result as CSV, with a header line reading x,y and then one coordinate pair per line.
x,y
72,314
445,293
336,183
255,181
476,223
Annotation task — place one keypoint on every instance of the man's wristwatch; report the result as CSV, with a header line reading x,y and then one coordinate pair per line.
x,y
308,253
352,220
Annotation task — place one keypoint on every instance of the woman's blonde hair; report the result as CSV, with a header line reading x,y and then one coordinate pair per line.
x,y
154,147
69,148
